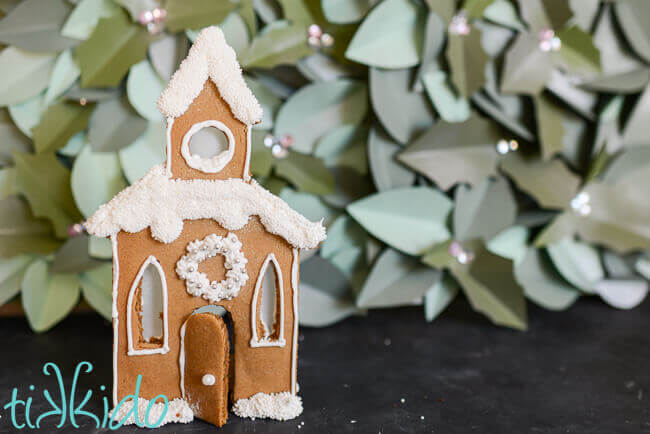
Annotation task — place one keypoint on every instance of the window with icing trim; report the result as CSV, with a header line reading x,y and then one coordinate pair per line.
x,y
268,306
147,311
208,146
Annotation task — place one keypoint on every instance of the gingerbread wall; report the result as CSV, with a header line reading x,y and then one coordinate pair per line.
x,y
259,369
208,106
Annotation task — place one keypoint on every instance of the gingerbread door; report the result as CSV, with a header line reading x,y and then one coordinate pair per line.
x,y
206,357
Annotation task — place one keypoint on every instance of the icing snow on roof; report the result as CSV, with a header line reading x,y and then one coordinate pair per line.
x,y
162,203
210,57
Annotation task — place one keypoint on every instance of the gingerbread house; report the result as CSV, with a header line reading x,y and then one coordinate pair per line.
x,y
205,262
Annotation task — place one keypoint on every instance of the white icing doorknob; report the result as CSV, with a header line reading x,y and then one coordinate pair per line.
x,y
208,380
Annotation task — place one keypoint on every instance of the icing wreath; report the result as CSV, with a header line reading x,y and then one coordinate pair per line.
x,y
197,283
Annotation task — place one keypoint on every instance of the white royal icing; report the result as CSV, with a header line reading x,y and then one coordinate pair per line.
x,y
267,341
213,164
197,283
162,203
210,57
279,406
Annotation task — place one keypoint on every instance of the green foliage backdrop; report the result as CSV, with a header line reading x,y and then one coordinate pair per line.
x,y
491,148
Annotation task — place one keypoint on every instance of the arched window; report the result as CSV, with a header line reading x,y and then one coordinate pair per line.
x,y
146,314
208,146
267,318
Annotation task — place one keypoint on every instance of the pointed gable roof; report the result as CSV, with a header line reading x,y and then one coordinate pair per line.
x,y
210,58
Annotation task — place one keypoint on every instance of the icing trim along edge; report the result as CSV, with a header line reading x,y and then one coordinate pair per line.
x,y
164,349
265,342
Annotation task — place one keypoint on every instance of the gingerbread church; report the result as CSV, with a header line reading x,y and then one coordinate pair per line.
x,y
205,263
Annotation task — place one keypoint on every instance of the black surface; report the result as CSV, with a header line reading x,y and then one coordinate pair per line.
x,y
581,371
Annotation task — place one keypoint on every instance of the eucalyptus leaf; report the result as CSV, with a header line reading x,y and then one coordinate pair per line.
x,y
23,75
540,14
634,133
12,138
434,39
511,243
542,283
449,153
386,171
135,7
147,151
349,186
97,289
633,16
526,68
577,262
114,125
12,271
65,73
501,115
622,294
143,87
396,280
325,297
483,211
7,182
345,147
269,102
85,16
317,108
549,126
194,14
309,205
343,234
282,44
46,185
73,256
467,61
490,287
48,297
578,52
404,114
550,182
26,115
346,11
21,232
306,173
618,214
390,36
34,25
58,124
503,12
106,56
74,145
100,248
96,177
450,106
408,219
441,294
167,53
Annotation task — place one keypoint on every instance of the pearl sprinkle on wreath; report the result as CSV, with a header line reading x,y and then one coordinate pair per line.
x,y
197,283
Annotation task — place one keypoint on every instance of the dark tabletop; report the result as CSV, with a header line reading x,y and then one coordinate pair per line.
x,y
586,370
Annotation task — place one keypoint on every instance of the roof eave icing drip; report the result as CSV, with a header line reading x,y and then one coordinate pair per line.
x,y
162,203
210,57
